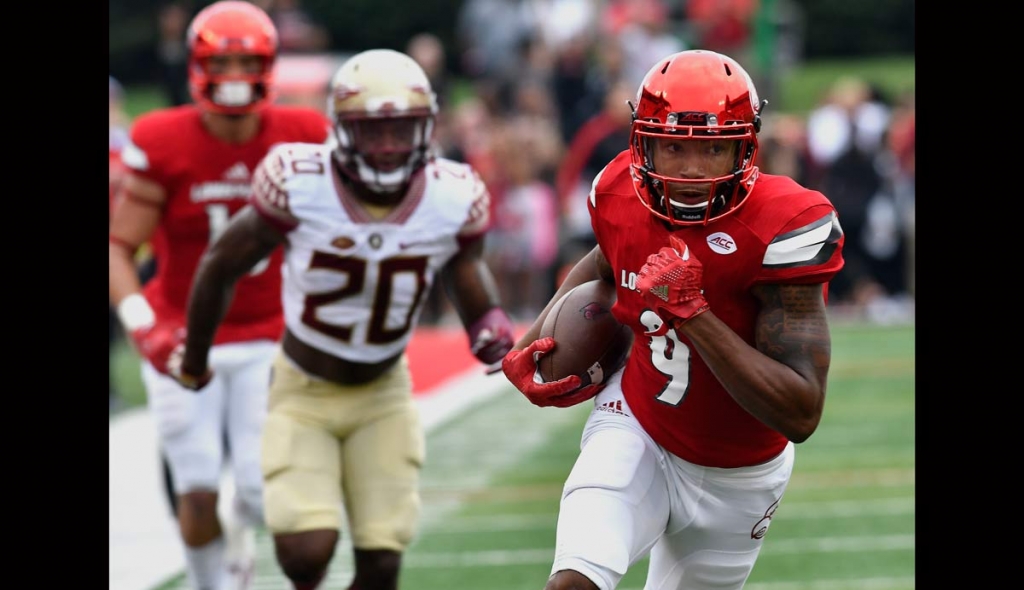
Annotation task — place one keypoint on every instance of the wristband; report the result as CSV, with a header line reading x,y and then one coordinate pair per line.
x,y
134,312
191,381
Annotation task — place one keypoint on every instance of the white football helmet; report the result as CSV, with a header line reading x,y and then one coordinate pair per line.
x,y
383,110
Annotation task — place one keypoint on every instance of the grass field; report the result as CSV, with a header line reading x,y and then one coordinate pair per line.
x,y
847,522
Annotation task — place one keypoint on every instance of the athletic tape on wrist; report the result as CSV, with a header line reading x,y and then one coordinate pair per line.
x,y
135,312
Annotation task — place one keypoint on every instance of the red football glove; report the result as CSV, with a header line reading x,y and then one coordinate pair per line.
x,y
156,342
520,367
670,283
186,380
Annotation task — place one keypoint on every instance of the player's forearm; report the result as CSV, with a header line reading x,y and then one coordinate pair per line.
x,y
208,304
123,275
768,389
471,287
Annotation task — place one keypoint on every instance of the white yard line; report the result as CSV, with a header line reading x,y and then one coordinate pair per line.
x,y
144,546
144,550
540,556
794,511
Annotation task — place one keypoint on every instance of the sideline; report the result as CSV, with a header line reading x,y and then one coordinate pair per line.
x,y
145,549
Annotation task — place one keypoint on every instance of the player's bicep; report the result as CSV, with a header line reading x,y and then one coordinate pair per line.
x,y
138,207
468,280
792,328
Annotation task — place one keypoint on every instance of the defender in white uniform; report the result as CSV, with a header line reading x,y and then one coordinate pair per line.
x,y
368,221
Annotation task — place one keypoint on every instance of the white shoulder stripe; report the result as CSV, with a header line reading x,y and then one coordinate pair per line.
x,y
133,157
802,245
593,185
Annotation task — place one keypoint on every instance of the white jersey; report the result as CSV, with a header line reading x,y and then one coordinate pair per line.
x,y
353,285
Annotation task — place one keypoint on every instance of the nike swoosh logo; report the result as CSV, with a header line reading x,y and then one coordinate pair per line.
x,y
407,245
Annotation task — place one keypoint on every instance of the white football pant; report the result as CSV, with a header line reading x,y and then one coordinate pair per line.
x,y
626,496
192,425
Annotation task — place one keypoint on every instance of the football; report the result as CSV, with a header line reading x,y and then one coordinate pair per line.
x,y
589,341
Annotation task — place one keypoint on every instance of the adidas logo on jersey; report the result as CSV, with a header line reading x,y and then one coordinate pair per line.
x,y
613,407
237,172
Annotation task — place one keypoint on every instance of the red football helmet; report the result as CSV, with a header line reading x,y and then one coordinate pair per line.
x,y
225,28
695,95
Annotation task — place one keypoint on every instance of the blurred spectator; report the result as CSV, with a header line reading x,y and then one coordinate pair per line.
x,y
302,79
536,118
616,14
297,30
849,117
902,145
602,68
783,141
465,133
564,21
172,52
523,242
490,34
471,138
845,138
725,26
889,222
429,52
597,142
647,37
569,79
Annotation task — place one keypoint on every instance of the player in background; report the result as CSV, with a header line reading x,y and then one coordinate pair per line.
x,y
721,271
369,222
118,137
189,171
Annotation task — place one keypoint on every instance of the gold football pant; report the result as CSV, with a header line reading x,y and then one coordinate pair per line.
x,y
324,444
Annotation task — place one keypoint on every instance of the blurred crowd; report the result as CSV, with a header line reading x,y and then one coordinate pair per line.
x,y
547,110
544,108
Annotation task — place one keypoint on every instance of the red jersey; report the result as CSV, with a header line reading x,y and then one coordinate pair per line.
x,y
783,233
207,181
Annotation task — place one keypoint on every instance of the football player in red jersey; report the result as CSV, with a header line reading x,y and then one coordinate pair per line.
x,y
721,272
189,170
115,174
370,220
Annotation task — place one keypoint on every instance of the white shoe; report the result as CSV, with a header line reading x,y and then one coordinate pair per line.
x,y
242,574
240,551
